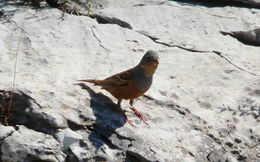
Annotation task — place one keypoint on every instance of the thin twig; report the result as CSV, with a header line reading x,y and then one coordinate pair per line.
x,y
14,75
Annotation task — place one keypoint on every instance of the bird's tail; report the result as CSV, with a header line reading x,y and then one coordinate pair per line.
x,y
94,81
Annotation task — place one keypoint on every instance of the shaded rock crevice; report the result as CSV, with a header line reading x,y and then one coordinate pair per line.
x,y
107,141
251,37
24,110
134,156
222,3
75,126
33,3
71,157
78,7
113,139
70,6
102,19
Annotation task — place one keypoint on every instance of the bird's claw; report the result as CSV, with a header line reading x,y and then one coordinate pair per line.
x,y
129,121
139,115
125,117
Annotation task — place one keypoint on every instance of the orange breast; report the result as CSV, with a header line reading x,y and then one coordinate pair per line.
x,y
126,92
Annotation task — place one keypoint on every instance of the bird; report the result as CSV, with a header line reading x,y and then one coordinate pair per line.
x,y
132,83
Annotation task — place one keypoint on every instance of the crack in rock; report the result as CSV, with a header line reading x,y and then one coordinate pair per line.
x,y
242,69
155,39
111,20
99,41
249,37
173,106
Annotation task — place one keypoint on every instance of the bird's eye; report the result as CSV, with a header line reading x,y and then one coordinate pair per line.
x,y
149,57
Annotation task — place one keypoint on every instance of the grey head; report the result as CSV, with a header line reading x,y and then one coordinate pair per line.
x,y
145,69
150,57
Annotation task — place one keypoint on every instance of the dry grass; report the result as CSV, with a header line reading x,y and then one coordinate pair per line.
x,y
5,110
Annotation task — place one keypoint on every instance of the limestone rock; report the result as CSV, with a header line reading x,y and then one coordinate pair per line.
x,y
203,105
5,131
251,37
251,3
27,145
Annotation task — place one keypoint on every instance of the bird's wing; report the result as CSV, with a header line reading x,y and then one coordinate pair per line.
x,y
118,80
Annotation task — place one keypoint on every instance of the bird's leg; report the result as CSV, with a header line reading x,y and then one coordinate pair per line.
x,y
119,103
137,113
123,112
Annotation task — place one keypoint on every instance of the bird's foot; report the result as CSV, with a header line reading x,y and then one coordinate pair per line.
x,y
138,114
128,121
125,116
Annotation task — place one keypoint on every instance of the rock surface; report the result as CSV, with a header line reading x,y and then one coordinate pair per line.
x,y
29,145
252,3
204,104
251,37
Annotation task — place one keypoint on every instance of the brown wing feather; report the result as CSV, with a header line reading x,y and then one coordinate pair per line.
x,y
89,80
120,85
117,80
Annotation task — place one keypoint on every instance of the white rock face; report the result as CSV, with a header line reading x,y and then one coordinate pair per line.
x,y
203,105
5,131
67,137
26,144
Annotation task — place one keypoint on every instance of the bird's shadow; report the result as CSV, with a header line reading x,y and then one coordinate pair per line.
x,y
108,117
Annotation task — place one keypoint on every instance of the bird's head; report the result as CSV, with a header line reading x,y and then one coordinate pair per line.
x,y
150,62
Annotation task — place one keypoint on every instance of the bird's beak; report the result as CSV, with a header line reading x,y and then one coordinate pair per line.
x,y
156,62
